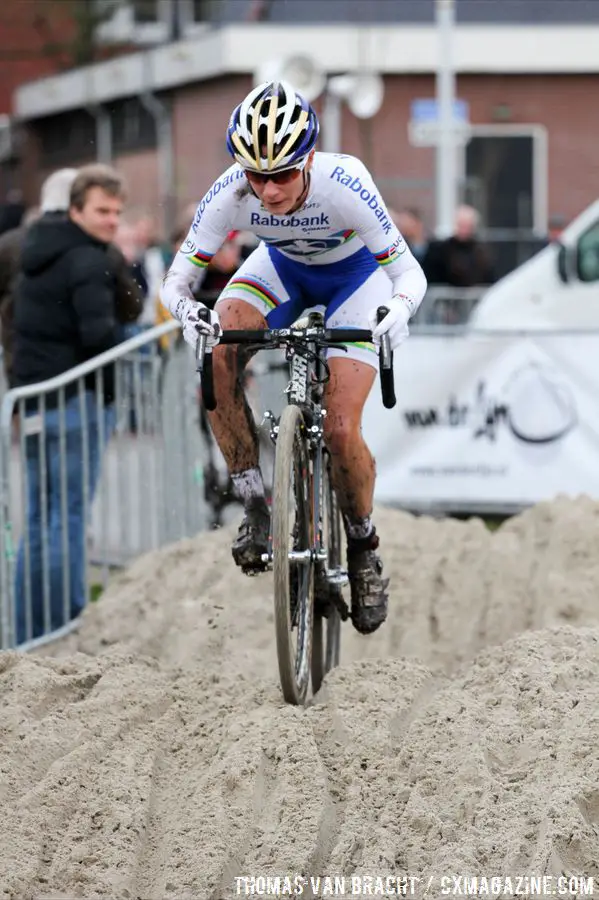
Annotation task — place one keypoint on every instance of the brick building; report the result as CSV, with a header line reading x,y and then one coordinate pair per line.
x,y
160,113
39,38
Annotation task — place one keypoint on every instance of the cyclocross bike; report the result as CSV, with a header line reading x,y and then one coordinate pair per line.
x,y
305,544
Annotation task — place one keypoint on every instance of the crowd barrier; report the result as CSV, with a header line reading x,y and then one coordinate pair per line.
x,y
90,484
447,306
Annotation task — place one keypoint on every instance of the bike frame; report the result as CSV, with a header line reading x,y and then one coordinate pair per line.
x,y
306,389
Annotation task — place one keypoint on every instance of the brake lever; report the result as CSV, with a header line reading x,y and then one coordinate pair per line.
x,y
386,364
204,315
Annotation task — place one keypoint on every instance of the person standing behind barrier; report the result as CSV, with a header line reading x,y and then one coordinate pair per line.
x,y
461,260
411,226
65,314
54,203
152,260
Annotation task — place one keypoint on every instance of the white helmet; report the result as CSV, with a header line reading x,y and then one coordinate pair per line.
x,y
274,128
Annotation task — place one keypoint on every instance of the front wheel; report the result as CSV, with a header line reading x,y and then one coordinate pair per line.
x,y
326,650
292,540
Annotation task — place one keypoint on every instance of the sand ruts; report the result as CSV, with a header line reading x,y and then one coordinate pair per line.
x,y
150,756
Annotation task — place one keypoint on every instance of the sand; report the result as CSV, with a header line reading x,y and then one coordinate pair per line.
x,y
150,754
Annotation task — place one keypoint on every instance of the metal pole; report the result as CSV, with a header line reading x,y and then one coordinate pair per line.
x,y
446,181
161,110
331,122
104,152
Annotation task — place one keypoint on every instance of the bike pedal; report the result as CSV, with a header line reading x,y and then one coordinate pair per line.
x,y
341,605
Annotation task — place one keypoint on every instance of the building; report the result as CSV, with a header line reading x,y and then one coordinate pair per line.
x,y
160,113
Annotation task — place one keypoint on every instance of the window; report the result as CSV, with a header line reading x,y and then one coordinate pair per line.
x,y
499,170
145,11
587,254
67,138
196,16
133,126
505,168
201,10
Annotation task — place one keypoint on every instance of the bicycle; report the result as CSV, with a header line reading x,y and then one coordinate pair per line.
x,y
306,557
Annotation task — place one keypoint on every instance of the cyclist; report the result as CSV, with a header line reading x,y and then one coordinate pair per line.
x,y
326,239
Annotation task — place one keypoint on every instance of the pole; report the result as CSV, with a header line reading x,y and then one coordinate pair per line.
x,y
331,121
446,180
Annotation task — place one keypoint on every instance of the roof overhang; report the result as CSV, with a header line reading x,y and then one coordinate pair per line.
x,y
238,49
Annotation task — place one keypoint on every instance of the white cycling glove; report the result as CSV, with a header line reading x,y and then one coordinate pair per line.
x,y
187,312
395,323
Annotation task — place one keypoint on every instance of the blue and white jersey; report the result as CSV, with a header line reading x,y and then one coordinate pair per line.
x,y
343,213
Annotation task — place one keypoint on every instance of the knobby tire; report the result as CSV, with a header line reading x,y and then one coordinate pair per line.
x,y
292,456
326,651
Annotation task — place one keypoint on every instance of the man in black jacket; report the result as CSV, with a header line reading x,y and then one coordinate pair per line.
x,y
54,204
65,314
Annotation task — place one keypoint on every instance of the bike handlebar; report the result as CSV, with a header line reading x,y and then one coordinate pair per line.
x,y
272,338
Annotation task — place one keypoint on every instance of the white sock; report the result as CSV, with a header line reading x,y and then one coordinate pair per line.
x,y
248,484
359,528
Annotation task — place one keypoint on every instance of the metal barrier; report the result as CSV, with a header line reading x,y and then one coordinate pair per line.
x,y
86,482
447,306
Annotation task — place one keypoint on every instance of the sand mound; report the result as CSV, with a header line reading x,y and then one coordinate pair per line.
x,y
151,757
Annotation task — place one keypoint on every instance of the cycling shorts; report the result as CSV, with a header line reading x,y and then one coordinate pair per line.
x,y
344,291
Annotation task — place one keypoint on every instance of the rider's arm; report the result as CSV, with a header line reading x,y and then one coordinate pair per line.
x,y
207,233
365,210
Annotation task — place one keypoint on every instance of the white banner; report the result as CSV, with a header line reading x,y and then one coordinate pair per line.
x,y
485,420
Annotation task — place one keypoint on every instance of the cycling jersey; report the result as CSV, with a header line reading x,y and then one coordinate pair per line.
x,y
343,224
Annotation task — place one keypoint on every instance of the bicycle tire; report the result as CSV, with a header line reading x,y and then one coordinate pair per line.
x,y
326,653
293,582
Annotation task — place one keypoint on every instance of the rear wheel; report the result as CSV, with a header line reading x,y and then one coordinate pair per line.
x,y
327,629
292,539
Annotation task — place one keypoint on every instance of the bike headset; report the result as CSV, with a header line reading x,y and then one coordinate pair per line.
x,y
273,130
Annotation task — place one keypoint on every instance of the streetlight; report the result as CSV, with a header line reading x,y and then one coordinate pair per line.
x,y
446,170
362,91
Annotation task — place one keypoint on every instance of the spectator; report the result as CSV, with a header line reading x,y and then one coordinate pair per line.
x,y
65,313
461,260
54,203
125,242
12,211
557,223
409,221
152,260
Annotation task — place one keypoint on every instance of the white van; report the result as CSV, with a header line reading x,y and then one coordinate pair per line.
x,y
557,288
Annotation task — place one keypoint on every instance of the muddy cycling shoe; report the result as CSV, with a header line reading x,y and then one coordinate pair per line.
x,y
369,598
252,538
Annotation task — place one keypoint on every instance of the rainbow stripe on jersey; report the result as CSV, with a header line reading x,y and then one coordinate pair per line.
x,y
389,254
200,258
254,287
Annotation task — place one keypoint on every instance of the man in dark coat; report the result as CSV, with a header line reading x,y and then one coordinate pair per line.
x,y
65,313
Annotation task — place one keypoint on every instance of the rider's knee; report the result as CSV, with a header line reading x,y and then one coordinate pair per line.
x,y
340,433
224,362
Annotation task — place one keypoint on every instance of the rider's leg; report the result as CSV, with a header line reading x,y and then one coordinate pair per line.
x,y
353,476
353,464
231,421
235,432
253,293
